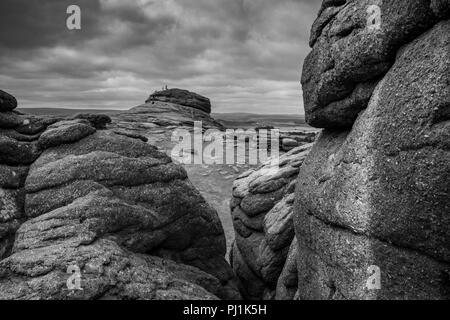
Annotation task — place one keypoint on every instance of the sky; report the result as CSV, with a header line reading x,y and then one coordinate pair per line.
x,y
245,55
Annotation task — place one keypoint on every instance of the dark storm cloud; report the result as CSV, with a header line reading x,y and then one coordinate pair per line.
x,y
27,24
243,54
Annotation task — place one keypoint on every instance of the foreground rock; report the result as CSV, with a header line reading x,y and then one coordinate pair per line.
x,y
182,97
262,217
378,194
110,205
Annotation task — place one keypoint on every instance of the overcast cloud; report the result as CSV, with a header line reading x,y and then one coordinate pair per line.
x,y
245,55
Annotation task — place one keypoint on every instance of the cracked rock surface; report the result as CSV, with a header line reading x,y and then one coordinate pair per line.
x,y
262,211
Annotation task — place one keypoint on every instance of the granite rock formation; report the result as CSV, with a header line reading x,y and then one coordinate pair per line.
x,y
293,139
113,206
156,121
351,53
182,97
262,209
373,194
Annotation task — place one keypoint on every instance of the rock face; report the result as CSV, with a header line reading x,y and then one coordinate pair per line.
x,y
182,97
262,217
110,205
156,121
354,45
375,196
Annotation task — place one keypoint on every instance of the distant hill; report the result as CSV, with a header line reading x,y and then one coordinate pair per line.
x,y
63,112
251,120
229,120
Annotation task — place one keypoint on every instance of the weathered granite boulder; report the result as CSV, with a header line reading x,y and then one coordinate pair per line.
x,y
99,121
287,144
156,119
13,152
19,135
182,97
108,271
376,197
354,45
7,102
261,208
108,204
64,132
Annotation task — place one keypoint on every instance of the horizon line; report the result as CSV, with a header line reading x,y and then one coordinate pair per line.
x,y
97,109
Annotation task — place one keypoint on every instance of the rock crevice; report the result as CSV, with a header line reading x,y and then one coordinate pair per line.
x,y
262,213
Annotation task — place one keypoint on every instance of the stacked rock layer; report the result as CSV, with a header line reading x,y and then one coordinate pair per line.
x,y
262,212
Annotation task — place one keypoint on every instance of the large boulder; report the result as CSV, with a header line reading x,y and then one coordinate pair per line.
x,y
7,102
158,119
109,204
99,121
354,44
376,197
64,132
19,134
15,152
182,97
126,189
